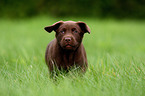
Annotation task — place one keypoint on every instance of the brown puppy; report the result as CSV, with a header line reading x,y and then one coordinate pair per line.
x,y
67,50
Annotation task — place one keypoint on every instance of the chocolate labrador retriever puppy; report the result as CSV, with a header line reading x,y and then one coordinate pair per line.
x,y
66,50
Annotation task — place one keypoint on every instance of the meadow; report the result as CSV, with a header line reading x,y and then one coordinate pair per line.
x,y
115,51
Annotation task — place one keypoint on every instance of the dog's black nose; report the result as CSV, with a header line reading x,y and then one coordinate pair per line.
x,y
67,39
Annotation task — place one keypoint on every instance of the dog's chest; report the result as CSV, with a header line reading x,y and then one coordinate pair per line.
x,y
66,61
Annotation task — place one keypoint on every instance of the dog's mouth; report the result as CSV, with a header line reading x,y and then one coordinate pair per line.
x,y
69,46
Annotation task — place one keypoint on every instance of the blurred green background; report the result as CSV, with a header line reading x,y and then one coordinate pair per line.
x,y
88,8
115,48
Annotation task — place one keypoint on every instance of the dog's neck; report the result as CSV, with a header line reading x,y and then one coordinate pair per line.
x,y
67,56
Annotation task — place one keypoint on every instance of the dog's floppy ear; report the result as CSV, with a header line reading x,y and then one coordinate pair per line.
x,y
54,27
84,26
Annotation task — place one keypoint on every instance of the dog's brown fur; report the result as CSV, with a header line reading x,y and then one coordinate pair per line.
x,y
67,50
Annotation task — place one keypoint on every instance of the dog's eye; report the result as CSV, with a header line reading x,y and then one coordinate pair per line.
x,y
62,32
75,31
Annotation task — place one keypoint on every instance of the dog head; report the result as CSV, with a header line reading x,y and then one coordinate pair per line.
x,y
69,34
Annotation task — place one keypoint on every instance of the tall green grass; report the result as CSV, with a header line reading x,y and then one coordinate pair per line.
x,y
115,51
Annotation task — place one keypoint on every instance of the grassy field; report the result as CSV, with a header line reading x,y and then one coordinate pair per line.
x,y
115,51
